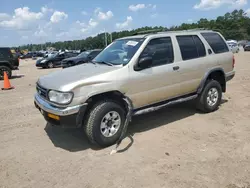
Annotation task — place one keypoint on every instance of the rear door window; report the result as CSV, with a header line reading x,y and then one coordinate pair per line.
x,y
216,42
191,47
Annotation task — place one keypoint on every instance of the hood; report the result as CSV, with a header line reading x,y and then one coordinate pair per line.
x,y
61,79
39,60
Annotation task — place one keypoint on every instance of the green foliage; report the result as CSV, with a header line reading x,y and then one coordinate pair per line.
x,y
234,25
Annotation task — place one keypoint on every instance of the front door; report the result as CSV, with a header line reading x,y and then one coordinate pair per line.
x,y
157,83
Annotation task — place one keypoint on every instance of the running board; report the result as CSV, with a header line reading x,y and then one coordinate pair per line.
x,y
168,103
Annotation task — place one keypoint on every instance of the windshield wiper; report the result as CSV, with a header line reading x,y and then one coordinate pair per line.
x,y
106,63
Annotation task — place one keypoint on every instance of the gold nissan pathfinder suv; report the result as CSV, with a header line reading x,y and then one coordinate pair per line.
x,y
136,75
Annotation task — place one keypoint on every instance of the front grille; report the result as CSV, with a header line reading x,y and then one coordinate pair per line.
x,y
42,91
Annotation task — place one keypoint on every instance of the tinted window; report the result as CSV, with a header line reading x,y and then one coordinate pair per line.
x,y
69,55
161,50
216,42
191,47
94,53
61,55
200,46
5,53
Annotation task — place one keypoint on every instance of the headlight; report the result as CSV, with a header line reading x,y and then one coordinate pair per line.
x,y
43,61
60,97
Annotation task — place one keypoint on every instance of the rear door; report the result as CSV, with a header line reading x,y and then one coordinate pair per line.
x,y
192,63
58,59
7,56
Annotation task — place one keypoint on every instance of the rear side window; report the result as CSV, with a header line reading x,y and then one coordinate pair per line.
x,y
216,42
191,47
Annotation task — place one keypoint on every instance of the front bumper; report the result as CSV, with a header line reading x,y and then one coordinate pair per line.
x,y
41,64
230,75
68,116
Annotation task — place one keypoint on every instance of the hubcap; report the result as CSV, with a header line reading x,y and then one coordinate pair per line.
x,y
212,96
110,124
50,65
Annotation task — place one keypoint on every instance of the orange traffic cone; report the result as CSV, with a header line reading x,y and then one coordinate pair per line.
x,y
6,85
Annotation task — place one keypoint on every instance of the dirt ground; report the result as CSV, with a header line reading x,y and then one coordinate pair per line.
x,y
173,147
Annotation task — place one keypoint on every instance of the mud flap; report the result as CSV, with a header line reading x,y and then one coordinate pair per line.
x,y
127,121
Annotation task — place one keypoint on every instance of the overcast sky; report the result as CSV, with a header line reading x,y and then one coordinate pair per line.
x,y
39,21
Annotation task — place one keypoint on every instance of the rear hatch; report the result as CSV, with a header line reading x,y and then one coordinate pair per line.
x,y
14,60
8,56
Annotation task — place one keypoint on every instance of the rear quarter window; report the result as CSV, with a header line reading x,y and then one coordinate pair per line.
x,y
216,42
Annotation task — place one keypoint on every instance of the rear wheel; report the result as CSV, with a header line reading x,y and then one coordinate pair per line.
x,y
105,123
5,69
210,98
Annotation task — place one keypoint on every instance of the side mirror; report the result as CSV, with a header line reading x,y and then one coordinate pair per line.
x,y
143,63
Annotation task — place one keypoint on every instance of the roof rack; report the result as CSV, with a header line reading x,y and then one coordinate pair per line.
x,y
187,30
154,31
149,31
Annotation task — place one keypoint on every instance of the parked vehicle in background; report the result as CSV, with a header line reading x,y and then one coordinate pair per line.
x,y
81,58
39,54
247,47
233,47
54,60
136,75
8,62
242,43
28,55
49,54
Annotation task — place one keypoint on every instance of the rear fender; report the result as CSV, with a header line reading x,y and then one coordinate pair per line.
x,y
203,81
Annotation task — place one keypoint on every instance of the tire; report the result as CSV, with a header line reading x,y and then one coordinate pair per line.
x,y
5,69
98,116
210,104
50,65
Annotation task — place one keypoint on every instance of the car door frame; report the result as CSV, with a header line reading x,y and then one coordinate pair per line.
x,y
148,86
57,61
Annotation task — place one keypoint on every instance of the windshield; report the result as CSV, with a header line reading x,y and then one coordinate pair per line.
x,y
120,51
84,54
52,55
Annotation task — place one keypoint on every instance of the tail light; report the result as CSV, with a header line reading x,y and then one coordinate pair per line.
x,y
233,62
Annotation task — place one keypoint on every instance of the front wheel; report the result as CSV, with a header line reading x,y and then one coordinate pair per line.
x,y
50,65
210,98
105,123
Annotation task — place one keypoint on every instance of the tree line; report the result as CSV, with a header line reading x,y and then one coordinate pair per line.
x,y
234,25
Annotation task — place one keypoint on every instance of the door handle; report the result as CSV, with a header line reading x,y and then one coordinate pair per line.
x,y
176,68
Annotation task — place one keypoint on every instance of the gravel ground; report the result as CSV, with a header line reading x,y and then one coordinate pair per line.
x,y
173,147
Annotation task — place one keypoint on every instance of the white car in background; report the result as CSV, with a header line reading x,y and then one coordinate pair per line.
x,y
233,47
